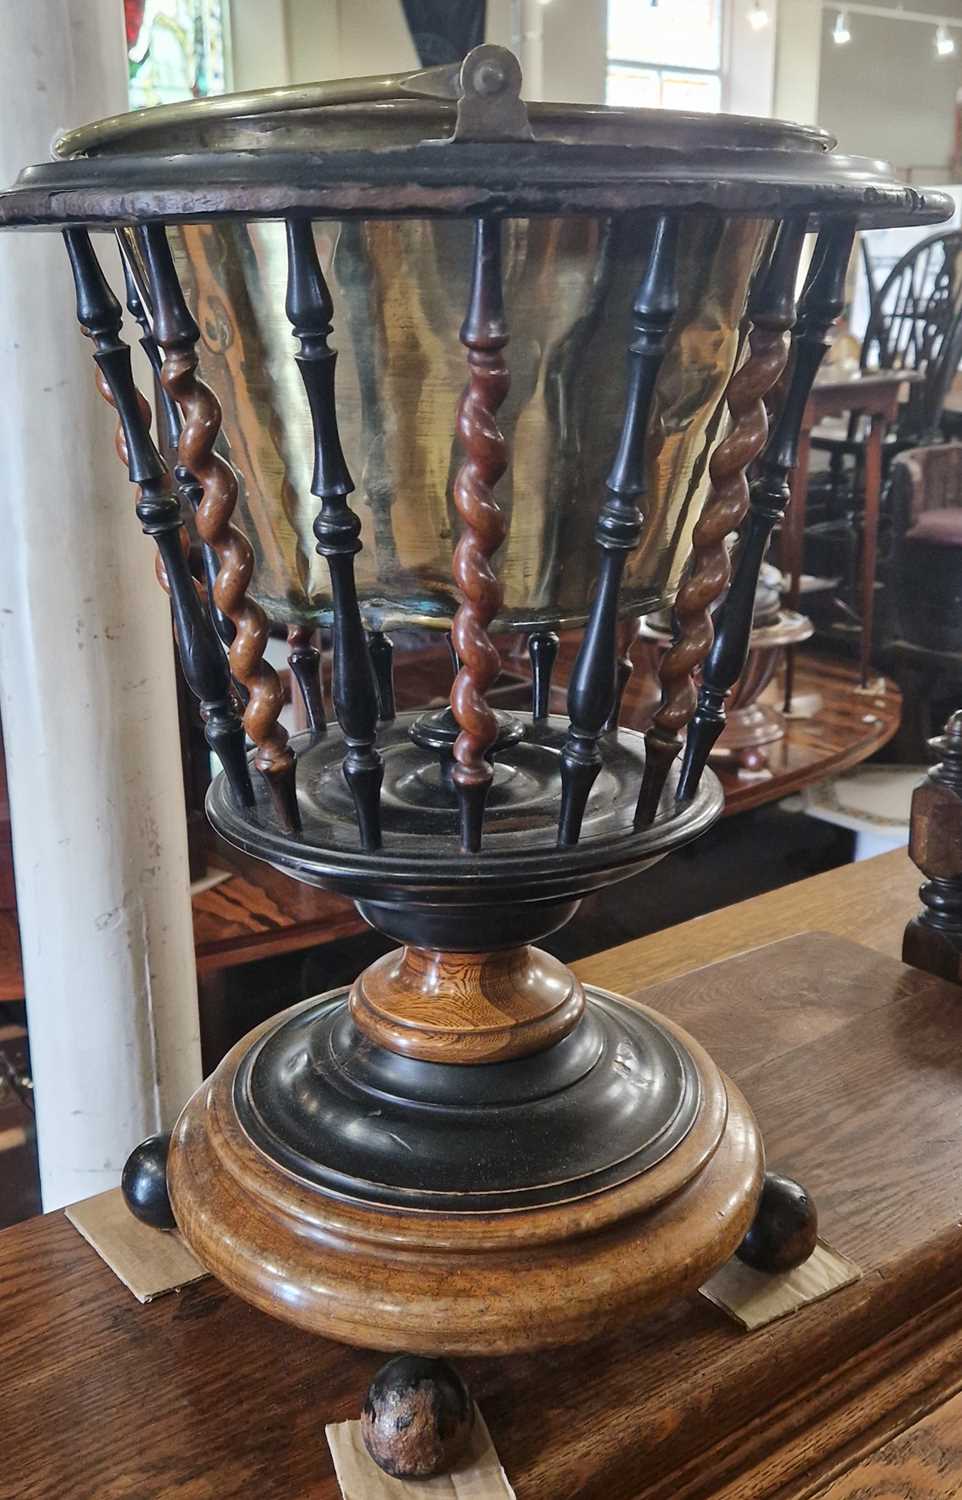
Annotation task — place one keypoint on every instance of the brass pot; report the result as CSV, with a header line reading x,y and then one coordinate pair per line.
x,y
399,290
400,286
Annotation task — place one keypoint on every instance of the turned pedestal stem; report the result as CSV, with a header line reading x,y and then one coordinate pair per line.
x,y
467,1007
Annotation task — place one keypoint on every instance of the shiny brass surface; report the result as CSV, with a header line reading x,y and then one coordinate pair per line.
x,y
576,234
399,289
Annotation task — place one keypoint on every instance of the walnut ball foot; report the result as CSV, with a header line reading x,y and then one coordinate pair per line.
x,y
785,1228
144,1183
417,1418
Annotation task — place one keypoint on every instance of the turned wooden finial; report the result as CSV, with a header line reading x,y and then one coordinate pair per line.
x,y
484,334
933,939
178,335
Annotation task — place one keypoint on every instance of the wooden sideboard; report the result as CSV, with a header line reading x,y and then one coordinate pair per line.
x,y
852,1064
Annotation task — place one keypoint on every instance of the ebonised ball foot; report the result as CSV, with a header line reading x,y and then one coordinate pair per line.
x,y
784,1230
417,1418
144,1183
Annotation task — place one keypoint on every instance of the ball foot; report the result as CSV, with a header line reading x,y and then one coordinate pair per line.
x,y
417,1418
785,1228
144,1183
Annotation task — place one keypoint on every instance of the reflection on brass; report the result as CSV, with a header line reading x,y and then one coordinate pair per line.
x,y
400,286
399,289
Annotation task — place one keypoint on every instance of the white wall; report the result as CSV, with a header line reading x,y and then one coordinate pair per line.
x,y
750,58
886,94
561,45
797,57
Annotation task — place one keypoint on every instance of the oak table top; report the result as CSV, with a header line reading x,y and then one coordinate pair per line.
x,y
851,1062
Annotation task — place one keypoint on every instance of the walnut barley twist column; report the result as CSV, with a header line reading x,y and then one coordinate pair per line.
x,y
158,508
484,335
822,301
177,334
772,313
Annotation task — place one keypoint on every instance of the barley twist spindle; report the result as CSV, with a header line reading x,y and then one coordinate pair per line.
x,y
772,313
337,529
591,691
203,662
484,334
177,334
822,301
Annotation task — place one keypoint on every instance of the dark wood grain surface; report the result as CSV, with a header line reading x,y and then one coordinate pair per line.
x,y
923,1462
852,1063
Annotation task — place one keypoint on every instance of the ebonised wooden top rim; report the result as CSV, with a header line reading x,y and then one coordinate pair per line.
x,y
508,179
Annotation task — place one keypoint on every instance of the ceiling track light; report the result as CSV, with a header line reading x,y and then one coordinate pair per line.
x,y
841,34
944,41
757,16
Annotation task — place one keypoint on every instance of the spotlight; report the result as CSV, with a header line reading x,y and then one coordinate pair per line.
x,y
757,16
944,41
840,31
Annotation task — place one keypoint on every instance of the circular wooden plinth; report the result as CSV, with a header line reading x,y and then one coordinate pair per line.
x,y
450,1282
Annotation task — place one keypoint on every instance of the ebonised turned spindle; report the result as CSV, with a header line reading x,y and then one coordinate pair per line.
x,y
178,335
484,334
139,306
304,661
203,662
337,528
822,301
543,653
591,690
624,666
381,648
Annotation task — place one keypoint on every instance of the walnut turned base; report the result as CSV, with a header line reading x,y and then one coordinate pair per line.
x,y
479,1243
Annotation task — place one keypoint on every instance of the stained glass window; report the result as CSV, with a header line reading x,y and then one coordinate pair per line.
x,y
665,54
177,49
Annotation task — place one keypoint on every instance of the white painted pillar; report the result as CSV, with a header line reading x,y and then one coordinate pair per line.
x,y
798,54
86,675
